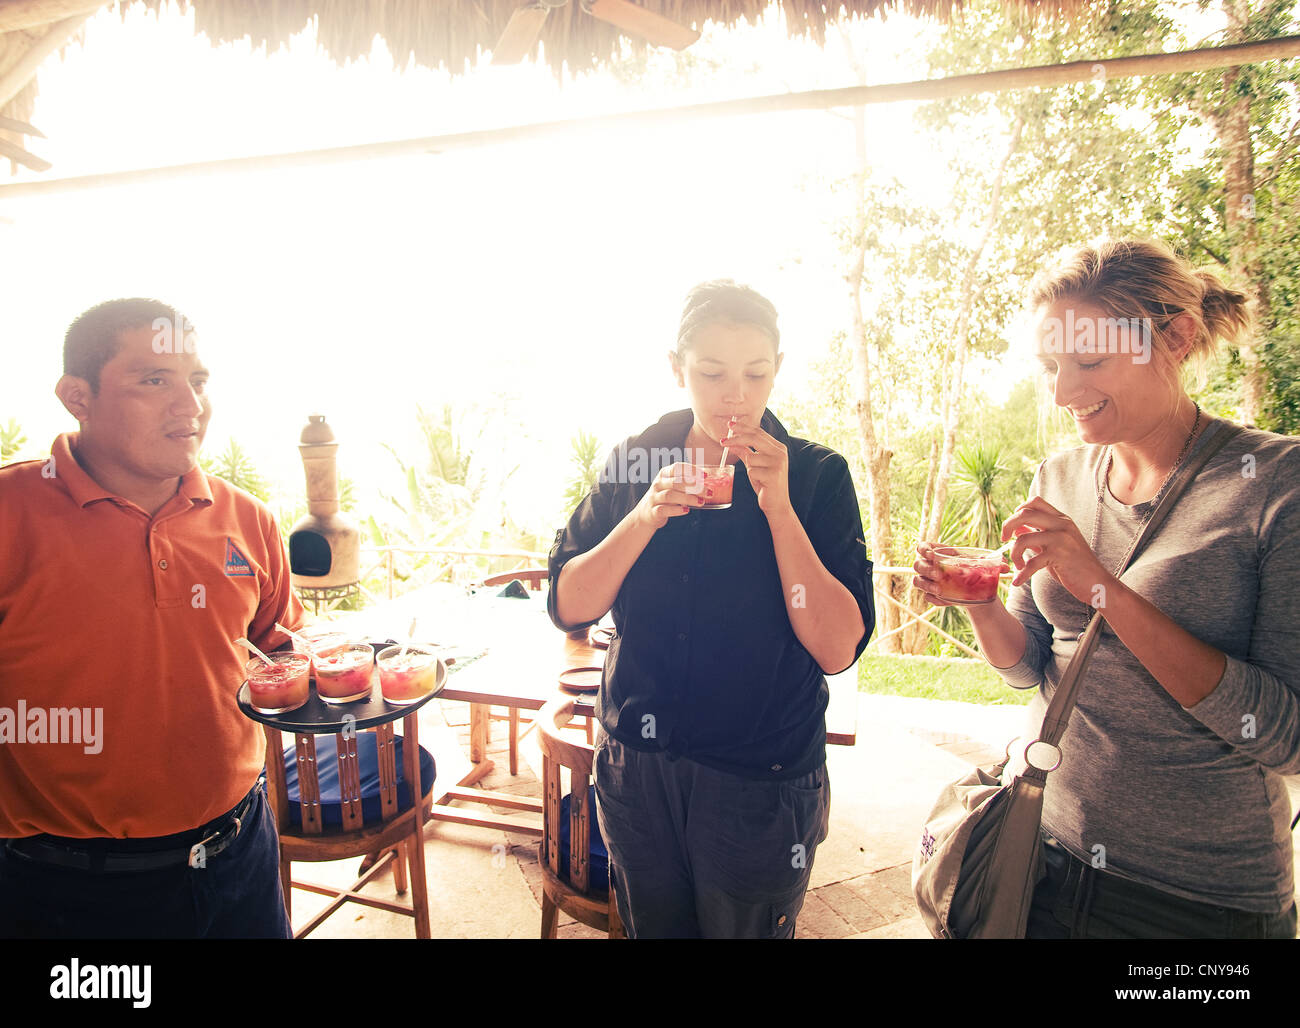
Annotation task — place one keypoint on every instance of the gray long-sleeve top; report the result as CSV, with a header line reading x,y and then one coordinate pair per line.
x,y
1188,800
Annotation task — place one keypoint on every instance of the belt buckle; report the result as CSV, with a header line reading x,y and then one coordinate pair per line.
x,y
198,852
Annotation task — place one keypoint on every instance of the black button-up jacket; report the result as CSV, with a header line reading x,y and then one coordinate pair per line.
x,y
704,663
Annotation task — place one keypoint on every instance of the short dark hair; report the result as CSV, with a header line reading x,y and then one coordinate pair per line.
x,y
722,300
92,339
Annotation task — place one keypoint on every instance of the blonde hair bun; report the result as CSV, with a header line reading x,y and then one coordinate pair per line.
x,y
1140,278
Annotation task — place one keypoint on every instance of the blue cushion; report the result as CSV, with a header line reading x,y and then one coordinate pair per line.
x,y
327,772
599,872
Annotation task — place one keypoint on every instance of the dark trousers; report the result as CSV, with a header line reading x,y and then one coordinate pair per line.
x,y
1079,901
236,895
699,853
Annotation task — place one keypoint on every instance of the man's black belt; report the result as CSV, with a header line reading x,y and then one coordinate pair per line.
x,y
93,855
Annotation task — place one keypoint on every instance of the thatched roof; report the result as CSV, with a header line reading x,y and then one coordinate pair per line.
x,y
448,34
453,33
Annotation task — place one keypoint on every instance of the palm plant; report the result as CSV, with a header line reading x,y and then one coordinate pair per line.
x,y
12,440
978,468
447,499
584,457
235,466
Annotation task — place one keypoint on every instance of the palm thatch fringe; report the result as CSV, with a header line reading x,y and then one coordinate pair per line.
x,y
453,33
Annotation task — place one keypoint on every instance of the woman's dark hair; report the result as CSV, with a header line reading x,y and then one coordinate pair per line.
x,y
92,340
722,300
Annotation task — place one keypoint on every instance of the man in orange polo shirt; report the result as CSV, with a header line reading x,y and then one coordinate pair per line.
x,y
128,573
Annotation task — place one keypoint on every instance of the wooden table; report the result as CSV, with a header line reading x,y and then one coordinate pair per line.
x,y
526,654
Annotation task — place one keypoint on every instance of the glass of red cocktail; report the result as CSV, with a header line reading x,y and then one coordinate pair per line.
x,y
280,686
714,484
968,575
407,677
323,639
343,673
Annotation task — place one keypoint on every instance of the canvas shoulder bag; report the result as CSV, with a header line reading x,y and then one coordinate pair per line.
x,y
978,860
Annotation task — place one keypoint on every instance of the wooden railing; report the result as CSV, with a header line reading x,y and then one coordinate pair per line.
x,y
913,617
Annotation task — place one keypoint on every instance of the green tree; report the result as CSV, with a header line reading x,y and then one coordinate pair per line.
x,y
1237,205
936,279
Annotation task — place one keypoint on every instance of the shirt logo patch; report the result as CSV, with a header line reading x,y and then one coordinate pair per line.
x,y
236,563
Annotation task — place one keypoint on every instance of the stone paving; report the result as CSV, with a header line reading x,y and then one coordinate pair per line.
x,y
486,883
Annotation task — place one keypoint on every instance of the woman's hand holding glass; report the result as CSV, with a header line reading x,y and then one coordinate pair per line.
x,y
928,578
674,492
1044,538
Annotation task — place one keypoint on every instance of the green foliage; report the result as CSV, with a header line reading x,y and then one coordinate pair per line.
x,y
451,496
235,466
823,410
12,440
1197,222
979,466
585,462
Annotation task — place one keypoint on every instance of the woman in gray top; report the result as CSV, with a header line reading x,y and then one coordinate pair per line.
x,y
1168,816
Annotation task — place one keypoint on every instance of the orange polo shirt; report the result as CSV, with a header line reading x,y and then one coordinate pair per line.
x,y
129,622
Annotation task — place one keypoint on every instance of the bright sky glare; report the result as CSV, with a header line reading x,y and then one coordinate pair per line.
x,y
549,272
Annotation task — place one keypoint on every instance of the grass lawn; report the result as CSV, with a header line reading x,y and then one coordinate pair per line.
x,y
937,678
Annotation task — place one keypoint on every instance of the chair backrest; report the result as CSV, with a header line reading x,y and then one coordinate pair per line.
x,y
531,577
558,752
349,779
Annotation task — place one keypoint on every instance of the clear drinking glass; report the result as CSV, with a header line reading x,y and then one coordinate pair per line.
x,y
968,575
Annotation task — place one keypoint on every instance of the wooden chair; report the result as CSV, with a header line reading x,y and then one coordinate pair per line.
x,y
397,835
533,579
572,893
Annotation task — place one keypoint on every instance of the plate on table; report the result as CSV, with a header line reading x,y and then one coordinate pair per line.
x,y
599,636
582,679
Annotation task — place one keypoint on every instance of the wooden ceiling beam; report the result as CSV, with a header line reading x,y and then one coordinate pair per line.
x,y
22,67
1282,47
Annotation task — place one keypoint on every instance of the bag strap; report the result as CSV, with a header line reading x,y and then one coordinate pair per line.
x,y
1067,689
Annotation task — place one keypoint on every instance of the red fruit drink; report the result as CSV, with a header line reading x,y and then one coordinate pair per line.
x,y
967,575
322,640
714,484
407,677
343,673
274,689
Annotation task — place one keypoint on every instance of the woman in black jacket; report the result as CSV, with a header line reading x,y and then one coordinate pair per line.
x,y
711,784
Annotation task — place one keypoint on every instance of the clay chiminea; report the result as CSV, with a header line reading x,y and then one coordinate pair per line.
x,y
324,547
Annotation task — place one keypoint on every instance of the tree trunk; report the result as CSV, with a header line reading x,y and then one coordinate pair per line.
x,y
1232,126
952,378
874,438
955,370
878,457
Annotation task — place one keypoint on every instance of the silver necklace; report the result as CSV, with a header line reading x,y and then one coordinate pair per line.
x,y
1155,502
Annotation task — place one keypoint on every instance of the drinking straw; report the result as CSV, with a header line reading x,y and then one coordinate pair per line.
x,y
296,638
723,463
249,646
410,634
